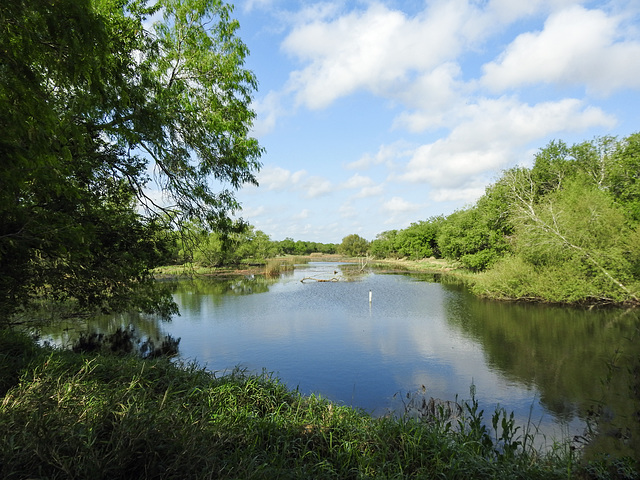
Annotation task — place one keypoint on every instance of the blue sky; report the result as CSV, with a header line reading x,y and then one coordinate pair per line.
x,y
377,114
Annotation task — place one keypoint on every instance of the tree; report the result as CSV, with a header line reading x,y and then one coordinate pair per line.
x,y
473,237
623,180
353,246
419,240
92,104
575,239
287,246
572,246
384,245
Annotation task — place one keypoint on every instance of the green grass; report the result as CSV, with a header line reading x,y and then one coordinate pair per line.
x,y
67,415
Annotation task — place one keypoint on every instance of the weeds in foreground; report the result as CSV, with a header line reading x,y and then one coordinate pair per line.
x,y
69,415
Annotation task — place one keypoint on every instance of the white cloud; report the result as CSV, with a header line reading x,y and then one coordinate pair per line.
x,y
399,205
373,49
253,212
492,131
302,215
459,195
276,178
249,5
386,154
268,110
348,211
432,94
282,180
398,211
576,47
358,181
370,191
316,187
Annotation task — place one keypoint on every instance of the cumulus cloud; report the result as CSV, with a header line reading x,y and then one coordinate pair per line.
x,y
280,179
465,196
386,154
268,110
277,178
370,191
373,49
576,47
431,96
397,211
347,210
253,212
358,181
493,130
399,205
317,187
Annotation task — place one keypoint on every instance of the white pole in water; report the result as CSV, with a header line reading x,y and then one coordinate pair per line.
x,y
370,294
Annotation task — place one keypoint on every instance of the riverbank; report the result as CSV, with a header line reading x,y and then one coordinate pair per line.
x,y
68,415
428,265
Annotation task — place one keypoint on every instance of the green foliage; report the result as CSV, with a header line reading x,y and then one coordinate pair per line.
x,y
566,230
468,236
17,351
623,180
573,241
242,244
301,247
215,249
90,101
419,239
384,245
552,165
353,246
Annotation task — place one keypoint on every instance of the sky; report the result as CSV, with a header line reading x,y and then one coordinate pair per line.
x,y
378,114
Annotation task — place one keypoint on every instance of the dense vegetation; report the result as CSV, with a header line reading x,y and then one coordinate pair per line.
x,y
95,104
197,245
565,230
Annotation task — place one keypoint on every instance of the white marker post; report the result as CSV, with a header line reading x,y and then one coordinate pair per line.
x,y
370,295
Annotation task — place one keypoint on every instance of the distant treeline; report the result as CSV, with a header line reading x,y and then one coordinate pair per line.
x,y
212,249
565,230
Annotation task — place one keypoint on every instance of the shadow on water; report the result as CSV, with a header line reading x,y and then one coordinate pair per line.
x,y
584,364
186,292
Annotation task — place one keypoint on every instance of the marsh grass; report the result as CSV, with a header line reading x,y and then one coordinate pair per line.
x,y
69,415
274,267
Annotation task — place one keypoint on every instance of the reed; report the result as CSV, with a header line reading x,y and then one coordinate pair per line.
x,y
276,266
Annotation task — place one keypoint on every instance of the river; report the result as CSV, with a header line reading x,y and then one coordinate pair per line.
x,y
417,336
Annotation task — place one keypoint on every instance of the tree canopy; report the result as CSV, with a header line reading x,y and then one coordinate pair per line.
x,y
353,246
565,230
96,104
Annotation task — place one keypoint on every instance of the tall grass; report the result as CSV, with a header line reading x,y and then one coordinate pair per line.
x,y
276,266
72,415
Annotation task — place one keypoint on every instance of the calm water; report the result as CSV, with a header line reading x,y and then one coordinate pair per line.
x,y
326,338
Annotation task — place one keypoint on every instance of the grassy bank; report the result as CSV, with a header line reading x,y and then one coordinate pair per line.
x,y
274,265
269,267
66,415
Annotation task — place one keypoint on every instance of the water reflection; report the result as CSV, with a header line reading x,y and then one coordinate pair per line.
x,y
561,351
66,332
325,337
579,361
